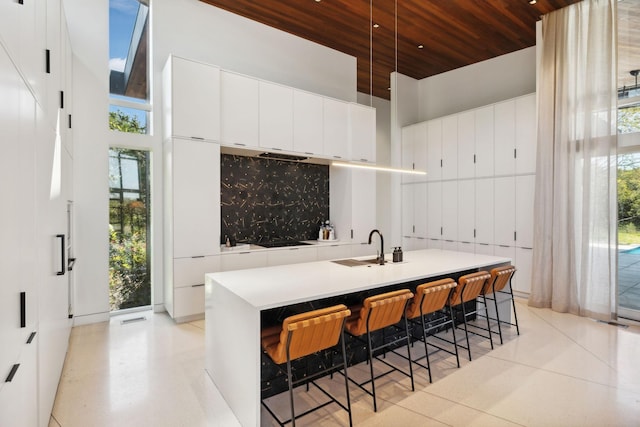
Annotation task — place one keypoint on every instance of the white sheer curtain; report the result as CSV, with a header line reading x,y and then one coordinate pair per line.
x,y
574,258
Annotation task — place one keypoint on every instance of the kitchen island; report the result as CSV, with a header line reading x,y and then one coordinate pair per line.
x,y
234,301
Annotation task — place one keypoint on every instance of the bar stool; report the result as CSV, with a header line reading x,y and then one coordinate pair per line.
x,y
470,287
500,277
431,299
302,335
377,313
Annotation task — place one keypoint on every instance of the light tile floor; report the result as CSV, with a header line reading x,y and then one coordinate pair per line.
x,y
562,370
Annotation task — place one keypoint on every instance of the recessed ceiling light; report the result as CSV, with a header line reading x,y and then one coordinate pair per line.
x,y
318,1
530,1
376,25
420,46
388,88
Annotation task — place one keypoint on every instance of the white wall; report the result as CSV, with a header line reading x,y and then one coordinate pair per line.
x,y
486,82
186,28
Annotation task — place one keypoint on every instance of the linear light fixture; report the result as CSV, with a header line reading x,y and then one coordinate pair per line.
x,y
378,168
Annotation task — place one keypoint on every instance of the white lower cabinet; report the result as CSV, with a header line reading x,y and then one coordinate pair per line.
x,y
294,255
466,247
364,249
449,245
187,299
434,244
327,252
243,260
484,249
18,407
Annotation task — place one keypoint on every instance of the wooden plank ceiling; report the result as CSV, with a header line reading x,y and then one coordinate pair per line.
x,y
453,33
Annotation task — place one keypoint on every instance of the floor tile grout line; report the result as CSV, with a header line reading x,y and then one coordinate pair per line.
x,y
468,407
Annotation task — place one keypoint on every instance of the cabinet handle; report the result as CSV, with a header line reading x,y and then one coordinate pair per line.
x,y
63,267
277,149
23,309
515,153
198,256
69,121
12,373
337,157
61,99
309,153
20,1
243,253
47,61
352,234
197,138
31,337
364,160
293,249
198,285
504,246
240,144
515,236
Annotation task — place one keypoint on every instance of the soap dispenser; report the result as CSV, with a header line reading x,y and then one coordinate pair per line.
x,y
397,254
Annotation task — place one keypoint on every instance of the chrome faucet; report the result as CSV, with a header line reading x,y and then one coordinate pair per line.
x,y
381,256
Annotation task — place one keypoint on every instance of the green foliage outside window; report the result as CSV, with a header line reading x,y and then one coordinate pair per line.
x,y
121,121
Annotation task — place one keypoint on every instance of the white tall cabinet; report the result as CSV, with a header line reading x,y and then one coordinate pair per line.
x,y
35,169
480,182
192,223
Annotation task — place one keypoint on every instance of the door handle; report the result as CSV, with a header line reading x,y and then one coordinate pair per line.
x,y
63,267
71,263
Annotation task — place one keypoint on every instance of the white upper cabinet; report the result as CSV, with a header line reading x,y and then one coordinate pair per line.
x,y
307,123
239,110
363,207
504,138
414,150
362,133
276,116
450,147
192,99
408,203
420,208
466,144
336,129
484,141
526,134
434,150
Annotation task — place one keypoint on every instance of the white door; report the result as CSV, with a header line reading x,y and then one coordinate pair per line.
x,y
504,211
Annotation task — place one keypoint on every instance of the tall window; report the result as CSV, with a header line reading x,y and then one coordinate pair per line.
x,y
129,226
128,63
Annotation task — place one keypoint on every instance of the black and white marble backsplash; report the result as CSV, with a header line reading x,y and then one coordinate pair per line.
x,y
265,200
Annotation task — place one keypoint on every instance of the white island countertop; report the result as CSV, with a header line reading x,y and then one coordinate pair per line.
x,y
235,299
269,287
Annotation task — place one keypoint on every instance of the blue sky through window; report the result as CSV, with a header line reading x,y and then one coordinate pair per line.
x,y
122,18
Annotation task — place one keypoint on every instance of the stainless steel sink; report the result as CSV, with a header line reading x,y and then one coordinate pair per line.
x,y
350,262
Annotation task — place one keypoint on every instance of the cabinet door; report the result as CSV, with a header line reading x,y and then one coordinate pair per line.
x,y
239,110
420,149
406,153
484,141
53,79
307,123
466,247
525,189
327,252
336,129
18,405
434,150
243,260
450,147
196,198
450,210
526,134
466,211
434,210
504,138
291,256
362,121
484,249
466,145
505,251
189,272
504,211
363,207
434,244
408,225
484,211
524,265
420,209
195,100
276,117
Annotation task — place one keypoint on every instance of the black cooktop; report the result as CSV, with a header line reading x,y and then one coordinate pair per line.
x,y
280,244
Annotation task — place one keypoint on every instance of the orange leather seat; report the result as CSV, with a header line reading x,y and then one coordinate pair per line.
x,y
500,278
